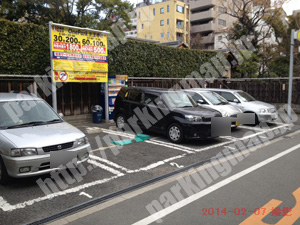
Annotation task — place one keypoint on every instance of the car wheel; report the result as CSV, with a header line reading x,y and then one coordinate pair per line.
x,y
175,133
120,121
4,177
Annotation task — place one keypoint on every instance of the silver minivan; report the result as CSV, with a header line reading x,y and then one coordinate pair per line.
x,y
264,112
30,130
211,100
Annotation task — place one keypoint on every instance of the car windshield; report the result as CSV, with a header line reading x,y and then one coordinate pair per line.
x,y
178,100
214,98
24,113
244,96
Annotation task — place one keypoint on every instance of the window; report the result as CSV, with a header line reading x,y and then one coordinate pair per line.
x,y
196,97
154,11
151,36
179,8
162,35
168,21
162,10
179,24
145,36
168,8
150,99
168,34
162,22
142,26
133,96
139,15
228,96
222,9
222,22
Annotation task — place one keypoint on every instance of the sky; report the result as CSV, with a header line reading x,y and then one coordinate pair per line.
x,y
288,7
291,5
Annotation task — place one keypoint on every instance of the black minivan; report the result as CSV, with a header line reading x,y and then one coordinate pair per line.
x,y
164,111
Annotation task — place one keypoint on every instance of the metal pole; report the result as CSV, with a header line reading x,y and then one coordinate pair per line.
x,y
106,101
53,86
291,74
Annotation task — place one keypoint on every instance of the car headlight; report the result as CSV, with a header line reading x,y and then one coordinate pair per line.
x,y
17,152
193,118
225,114
82,141
264,110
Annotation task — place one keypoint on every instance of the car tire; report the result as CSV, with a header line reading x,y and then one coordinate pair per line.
x,y
4,177
175,133
120,121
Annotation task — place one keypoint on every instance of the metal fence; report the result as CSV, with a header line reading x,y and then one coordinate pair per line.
x,y
78,98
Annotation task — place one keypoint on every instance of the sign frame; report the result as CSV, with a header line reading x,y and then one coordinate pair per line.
x,y
54,86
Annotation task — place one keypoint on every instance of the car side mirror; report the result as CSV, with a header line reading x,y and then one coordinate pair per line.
x,y
200,101
61,115
161,104
236,100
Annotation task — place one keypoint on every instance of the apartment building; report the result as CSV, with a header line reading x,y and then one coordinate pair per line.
x,y
129,33
164,21
207,18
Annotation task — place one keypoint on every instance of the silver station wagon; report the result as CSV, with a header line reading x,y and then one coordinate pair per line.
x,y
211,100
32,135
264,112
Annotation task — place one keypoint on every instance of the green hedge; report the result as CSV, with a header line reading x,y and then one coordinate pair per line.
x,y
24,49
142,59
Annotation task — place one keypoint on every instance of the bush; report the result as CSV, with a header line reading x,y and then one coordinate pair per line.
x,y
24,49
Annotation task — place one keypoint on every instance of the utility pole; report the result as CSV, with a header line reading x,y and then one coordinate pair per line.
x,y
293,37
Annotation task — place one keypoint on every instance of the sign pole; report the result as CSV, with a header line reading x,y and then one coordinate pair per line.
x,y
106,102
291,74
53,84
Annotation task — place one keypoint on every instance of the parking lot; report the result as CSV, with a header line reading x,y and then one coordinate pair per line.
x,y
112,168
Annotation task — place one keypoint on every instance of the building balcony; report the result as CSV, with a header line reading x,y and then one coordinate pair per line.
x,y
208,27
209,14
178,26
198,4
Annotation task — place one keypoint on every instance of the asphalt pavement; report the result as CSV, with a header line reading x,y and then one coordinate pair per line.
x,y
264,188
114,171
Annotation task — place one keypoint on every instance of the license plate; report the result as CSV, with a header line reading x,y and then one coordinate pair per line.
x,y
63,158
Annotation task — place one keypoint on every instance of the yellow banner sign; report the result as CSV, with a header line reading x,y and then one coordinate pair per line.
x,y
78,55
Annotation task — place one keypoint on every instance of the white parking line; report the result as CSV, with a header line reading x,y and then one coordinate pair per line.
x,y
252,128
109,163
162,213
228,138
104,167
5,206
160,143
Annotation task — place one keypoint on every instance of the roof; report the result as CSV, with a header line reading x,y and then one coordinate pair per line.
x,y
220,89
141,39
174,44
6,97
156,90
197,90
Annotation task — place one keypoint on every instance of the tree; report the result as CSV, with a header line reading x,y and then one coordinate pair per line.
x,y
196,41
97,14
249,68
252,18
282,30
